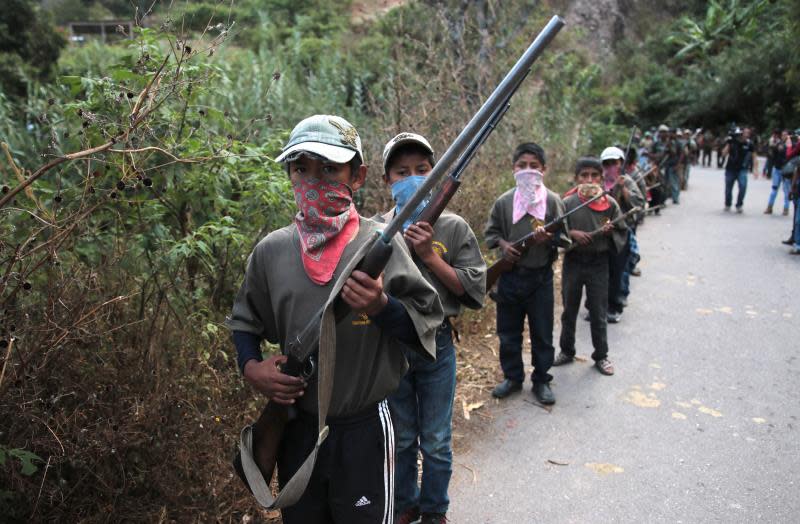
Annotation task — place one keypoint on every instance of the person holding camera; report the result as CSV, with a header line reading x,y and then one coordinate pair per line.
x,y
739,150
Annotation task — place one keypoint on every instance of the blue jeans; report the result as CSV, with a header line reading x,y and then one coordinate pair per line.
x,y
796,225
739,177
674,183
526,293
422,412
778,181
633,259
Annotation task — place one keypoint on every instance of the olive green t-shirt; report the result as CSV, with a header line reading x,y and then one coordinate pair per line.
x,y
277,300
455,242
500,227
587,219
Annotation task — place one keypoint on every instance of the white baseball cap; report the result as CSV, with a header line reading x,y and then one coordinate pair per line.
x,y
612,153
401,139
331,137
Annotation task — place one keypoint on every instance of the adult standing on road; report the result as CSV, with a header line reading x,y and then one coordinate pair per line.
x,y
708,146
777,159
719,145
739,150
667,154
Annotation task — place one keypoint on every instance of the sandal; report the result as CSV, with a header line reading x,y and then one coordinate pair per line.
x,y
604,366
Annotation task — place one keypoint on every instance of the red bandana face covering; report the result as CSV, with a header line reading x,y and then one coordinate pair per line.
x,y
327,221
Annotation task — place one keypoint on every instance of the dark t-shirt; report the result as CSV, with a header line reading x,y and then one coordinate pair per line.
x,y
740,154
778,154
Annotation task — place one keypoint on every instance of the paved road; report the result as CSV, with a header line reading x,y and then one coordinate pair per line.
x,y
701,422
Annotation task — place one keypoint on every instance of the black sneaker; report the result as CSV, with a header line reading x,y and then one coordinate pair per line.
x,y
543,393
614,316
562,358
433,518
505,388
788,241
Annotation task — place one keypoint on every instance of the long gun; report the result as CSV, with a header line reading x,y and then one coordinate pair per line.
x,y
504,265
268,429
599,231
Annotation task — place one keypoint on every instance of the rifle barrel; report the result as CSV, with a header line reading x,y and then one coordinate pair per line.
x,y
498,97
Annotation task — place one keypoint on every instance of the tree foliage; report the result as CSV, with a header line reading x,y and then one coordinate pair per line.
x,y
734,64
29,46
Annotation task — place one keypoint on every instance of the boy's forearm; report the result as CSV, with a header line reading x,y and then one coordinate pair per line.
x,y
445,273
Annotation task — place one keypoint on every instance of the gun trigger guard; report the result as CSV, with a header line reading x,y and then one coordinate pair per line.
x,y
309,368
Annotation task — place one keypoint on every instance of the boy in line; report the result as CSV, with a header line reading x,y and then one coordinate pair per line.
x,y
289,277
587,264
448,256
527,290
627,194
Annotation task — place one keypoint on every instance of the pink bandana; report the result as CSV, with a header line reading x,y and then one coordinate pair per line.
x,y
530,198
610,176
327,221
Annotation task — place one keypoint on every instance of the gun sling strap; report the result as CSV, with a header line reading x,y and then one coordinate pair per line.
x,y
296,486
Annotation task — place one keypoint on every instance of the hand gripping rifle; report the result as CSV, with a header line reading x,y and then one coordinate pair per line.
x,y
599,231
504,265
261,441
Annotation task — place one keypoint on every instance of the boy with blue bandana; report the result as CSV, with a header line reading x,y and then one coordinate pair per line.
x,y
448,256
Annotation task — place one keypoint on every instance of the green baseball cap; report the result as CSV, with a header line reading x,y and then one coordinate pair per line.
x,y
331,137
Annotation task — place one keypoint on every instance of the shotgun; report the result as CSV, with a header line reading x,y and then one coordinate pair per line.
x,y
300,350
504,265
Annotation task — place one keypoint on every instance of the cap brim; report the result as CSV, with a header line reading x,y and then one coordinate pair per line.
x,y
340,155
407,140
610,157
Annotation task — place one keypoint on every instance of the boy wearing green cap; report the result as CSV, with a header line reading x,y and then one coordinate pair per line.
x,y
289,277
449,258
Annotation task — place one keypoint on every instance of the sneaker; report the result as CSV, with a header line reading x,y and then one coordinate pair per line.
x,y
623,301
739,210
794,251
409,516
433,518
562,358
786,211
543,393
788,241
727,209
505,388
636,272
614,317
768,211
604,366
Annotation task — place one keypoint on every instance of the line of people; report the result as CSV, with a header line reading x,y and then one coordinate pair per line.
x,y
389,396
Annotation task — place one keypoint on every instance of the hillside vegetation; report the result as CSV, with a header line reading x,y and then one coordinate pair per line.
x,y
136,178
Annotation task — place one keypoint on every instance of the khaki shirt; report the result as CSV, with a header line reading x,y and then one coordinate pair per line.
x,y
277,300
500,227
635,198
455,243
587,219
